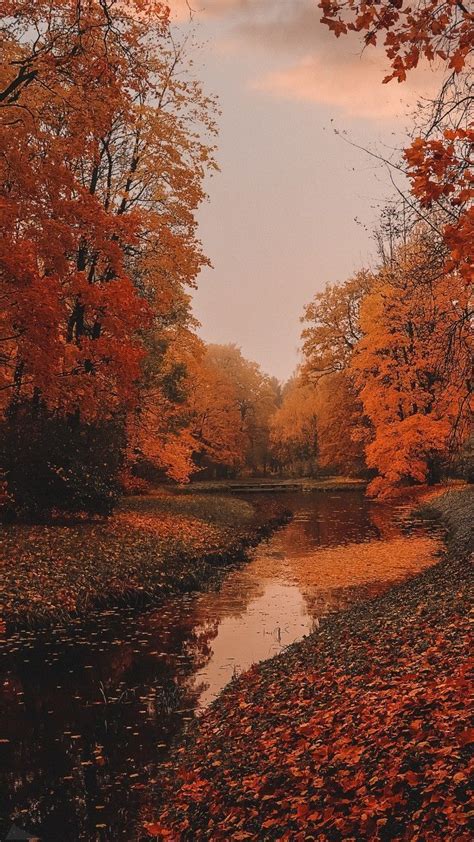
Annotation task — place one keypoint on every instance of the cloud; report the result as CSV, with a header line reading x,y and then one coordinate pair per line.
x,y
314,65
182,9
353,86
241,13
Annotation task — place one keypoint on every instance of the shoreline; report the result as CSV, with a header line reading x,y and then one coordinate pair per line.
x,y
269,485
153,548
360,730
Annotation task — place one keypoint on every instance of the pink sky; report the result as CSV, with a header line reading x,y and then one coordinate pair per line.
x,y
294,205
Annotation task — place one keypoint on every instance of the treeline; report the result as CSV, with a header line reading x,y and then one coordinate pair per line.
x,y
386,379
105,140
385,384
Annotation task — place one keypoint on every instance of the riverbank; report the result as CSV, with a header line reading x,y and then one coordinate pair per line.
x,y
361,731
275,485
152,547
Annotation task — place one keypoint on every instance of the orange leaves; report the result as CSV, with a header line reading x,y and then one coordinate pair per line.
x,y
400,348
409,30
64,281
156,830
231,401
409,382
441,171
102,175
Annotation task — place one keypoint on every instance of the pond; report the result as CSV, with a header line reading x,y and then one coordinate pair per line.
x,y
88,713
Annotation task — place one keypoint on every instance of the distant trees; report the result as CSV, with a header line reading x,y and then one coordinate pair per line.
x,y
318,427
330,335
232,403
294,430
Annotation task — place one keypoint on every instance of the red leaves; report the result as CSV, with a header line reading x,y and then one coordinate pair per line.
x,y
156,830
466,737
368,752
410,30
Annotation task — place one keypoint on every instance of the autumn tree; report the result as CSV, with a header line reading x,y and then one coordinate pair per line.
x,y
293,429
330,335
438,161
232,402
332,327
343,427
101,170
413,364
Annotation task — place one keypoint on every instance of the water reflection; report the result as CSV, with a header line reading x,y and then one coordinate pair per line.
x,y
88,714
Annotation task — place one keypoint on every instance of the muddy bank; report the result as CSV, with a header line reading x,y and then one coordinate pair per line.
x,y
361,731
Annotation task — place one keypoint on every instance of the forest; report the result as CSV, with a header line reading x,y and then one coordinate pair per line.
x,y
120,425
106,140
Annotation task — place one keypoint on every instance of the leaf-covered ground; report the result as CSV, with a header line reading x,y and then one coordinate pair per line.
x,y
152,547
360,732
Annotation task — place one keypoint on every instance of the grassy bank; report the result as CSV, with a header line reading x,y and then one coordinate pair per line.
x,y
361,731
153,546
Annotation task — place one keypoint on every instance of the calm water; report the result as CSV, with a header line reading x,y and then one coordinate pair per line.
x,y
87,715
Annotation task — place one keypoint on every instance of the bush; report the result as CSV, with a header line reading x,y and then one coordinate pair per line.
x,y
50,462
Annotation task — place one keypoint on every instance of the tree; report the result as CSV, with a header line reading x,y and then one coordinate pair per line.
x,y
101,166
331,333
332,326
439,159
414,387
294,430
343,428
232,402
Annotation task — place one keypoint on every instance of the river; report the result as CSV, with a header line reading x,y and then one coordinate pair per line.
x,y
88,713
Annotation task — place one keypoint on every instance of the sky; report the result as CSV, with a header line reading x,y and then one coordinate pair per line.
x,y
295,203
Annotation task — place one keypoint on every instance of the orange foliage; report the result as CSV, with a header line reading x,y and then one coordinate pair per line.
x,y
342,429
317,426
439,167
331,333
101,167
294,432
332,329
399,347
412,366
441,174
428,29
232,402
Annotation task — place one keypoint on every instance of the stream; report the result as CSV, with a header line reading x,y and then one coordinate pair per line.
x,y
88,713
